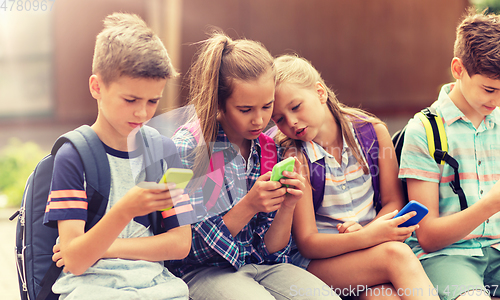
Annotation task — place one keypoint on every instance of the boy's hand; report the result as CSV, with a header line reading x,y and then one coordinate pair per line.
x,y
265,195
139,201
386,228
57,257
296,185
349,226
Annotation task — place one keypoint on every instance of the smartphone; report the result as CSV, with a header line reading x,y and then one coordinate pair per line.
x,y
412,206
284,165
178,176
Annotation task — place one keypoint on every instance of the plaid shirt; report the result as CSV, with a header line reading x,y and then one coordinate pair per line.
x,y
213,244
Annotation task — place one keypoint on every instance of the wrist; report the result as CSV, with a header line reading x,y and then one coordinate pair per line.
x,y
287,208
246,207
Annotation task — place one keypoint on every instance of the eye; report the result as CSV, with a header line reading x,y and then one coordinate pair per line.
x,y
153,101
278,120
267,106
245,110
489,91
129,100
296,107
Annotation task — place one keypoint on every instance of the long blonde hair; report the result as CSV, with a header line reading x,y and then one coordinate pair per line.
x,y
292,69
220,60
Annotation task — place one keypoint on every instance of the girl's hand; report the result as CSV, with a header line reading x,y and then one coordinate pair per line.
x,y
139,201
349,226
296,185
265,195
386,228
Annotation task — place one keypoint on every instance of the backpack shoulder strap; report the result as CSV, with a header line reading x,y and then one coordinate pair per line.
x,y
434,130
317,175
367,137
152,143
268,153
438,148
96,165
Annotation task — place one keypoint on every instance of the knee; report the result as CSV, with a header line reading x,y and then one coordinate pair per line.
x,y
398,253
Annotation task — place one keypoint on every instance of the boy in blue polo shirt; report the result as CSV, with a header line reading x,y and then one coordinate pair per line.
x,y
459,249
119,258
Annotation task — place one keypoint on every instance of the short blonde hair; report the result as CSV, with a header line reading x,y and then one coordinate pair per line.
x,y
128,47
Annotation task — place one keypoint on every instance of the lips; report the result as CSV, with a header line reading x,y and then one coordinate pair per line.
x,y
301,132
135,125
256,131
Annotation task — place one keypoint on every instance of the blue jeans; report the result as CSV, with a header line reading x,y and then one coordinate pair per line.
x,y
280,281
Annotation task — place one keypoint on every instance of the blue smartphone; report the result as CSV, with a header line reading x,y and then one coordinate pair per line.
x,y
412,206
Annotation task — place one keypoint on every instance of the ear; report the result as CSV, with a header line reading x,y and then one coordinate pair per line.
x,y
95,85
322,93
457,68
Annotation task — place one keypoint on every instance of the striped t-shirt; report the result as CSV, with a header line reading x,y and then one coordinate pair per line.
x,y
348,190
478,154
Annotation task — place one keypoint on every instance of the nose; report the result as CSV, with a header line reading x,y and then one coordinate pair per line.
x,y
258,119
496,101
141,111
291,121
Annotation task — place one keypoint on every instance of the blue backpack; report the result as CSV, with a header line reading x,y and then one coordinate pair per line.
x,y
34,241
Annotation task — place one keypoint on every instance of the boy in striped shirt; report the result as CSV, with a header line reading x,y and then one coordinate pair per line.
x,y
459,249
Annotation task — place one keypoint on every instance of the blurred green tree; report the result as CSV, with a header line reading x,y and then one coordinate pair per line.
x,y
493,6
17,161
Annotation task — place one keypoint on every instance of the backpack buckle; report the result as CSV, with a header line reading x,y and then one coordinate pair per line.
x,y
439,155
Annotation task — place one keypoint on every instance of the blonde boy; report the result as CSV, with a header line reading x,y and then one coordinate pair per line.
x,y
119,256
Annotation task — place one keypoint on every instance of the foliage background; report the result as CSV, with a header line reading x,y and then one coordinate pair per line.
x,y
17,161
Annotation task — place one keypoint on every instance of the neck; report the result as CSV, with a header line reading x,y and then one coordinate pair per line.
x,y
329,135
112,138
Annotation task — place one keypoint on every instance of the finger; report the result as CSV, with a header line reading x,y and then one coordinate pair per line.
x,y
352,229
170,194
280,192
294,192
297,165
168,186
271,185
60,263
405,217
164,204
341,228
265,177
56,257
412,228
390,215
293,182
56,248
